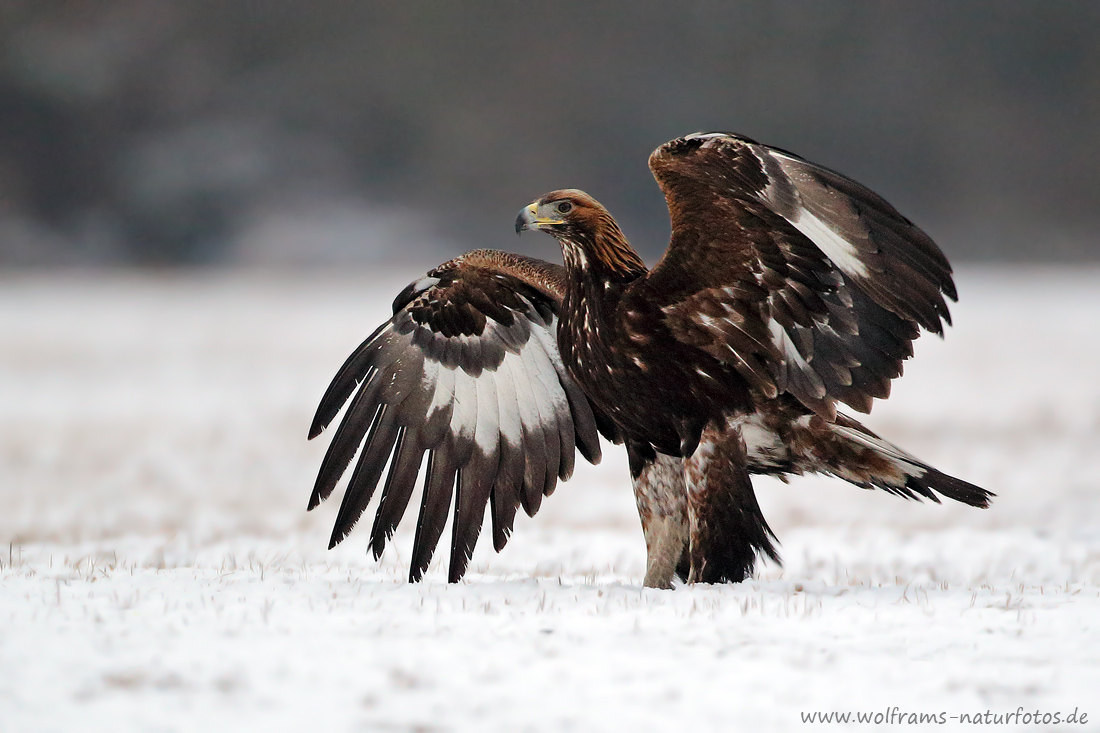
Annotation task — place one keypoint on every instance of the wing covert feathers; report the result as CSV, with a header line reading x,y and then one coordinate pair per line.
x,y
466,380
804,280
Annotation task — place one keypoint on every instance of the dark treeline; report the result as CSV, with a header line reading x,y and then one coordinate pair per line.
x,y
139,131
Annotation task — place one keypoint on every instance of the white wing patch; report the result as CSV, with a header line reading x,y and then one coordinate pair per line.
x,y
511,427
466,411
786,194
487,430
838,249
424,284
799,199
442,380
522,394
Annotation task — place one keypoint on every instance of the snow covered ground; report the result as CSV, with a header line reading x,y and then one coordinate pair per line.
x,y
158,570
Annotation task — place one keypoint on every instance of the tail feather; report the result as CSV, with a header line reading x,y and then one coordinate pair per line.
x,y
863,458
949,486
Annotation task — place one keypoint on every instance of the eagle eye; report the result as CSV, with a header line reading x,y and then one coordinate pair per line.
x,y
564,207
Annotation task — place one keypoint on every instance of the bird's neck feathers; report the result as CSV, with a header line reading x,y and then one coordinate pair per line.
x,y
599,265
600,253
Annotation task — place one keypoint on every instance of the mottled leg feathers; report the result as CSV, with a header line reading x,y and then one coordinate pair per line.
x,y
699,515
662,505
726,527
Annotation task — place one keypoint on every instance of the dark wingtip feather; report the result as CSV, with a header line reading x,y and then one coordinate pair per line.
x,y
397,490
504,499
321,420
352,372
372,459
474,483
362,412
435,506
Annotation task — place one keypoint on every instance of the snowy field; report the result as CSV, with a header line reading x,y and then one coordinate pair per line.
x,y
158,570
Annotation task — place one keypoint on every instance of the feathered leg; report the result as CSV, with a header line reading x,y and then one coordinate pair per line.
x,y
726,527
660,493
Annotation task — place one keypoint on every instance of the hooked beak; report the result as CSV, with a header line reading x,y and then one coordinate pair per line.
x,y
529,219
526,219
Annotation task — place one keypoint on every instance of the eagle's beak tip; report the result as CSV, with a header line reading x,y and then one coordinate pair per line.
x,y
525,219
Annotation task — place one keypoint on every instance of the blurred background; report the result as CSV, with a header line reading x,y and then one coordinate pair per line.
x,y
283,132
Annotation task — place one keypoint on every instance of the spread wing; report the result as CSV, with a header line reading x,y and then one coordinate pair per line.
x,y
466,372
804,280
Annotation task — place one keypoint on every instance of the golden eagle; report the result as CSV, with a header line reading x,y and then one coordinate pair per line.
x,y
786,288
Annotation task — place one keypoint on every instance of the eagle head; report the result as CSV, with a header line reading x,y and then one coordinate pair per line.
x,y
588,235
561,213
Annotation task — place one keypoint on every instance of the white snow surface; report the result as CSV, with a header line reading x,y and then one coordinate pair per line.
x,y
159,571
